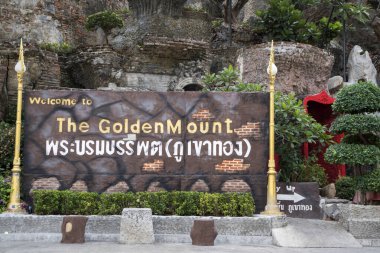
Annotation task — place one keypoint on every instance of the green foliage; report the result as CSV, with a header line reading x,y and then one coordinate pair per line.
x,y
107,20
114,203
248,87
227,204
78,203
293,128
185,203
194,9
370,182
161,203
311,171
217,23
347,10
356,124
59,48
360,146
284,21
47,202
228,80
5,190
345,188
223,80
7,138
353,154
65,202
358,98
157,201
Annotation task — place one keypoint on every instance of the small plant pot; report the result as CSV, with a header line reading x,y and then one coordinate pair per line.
x,y
372,196
359,198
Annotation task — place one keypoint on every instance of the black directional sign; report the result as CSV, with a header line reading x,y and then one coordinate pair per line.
x,y
299,200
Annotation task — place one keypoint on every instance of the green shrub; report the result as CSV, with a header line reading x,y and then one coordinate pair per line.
x,y
293,128
105,19
79,203
228,80
47,202
370,182
312,172
345,188
115,202
194,9
217,23
7,138
59,48
356,124
284,21
353,154
228,204
246,204
358,98
185,203
65,202
5,190
360,146
161,203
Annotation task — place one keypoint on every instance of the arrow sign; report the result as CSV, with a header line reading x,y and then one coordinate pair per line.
x,y
288,197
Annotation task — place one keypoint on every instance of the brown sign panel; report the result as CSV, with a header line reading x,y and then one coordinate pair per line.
x,y
299,200
138,141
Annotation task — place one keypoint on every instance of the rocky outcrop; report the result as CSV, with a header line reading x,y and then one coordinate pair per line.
x,y
334,84
303,69
143,8
360,66
43,71
46,21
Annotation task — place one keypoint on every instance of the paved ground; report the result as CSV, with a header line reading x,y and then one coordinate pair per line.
x,y
101,247
313,233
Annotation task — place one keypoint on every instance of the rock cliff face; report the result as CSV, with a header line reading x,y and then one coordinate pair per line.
x,y
302,69
164,45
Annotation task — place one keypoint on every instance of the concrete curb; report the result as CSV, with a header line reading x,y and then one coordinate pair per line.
x,y
256,230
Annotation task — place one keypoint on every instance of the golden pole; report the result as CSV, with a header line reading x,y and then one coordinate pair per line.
x,y
271,208
14,205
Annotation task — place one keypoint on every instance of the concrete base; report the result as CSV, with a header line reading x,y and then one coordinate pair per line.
x,y
255,230
313,234
220,239
369,242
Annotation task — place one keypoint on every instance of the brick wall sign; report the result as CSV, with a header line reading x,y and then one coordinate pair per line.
x,y
107,141
300,200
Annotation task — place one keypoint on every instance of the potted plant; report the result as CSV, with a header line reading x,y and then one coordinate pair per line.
x,y
369,186
357,106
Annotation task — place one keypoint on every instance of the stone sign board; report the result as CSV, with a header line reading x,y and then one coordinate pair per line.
x,y
107,141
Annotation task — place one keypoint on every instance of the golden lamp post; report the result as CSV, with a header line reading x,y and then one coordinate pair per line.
x,y
271,208
14,205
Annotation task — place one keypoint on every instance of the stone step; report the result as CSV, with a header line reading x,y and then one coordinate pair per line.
x,y
170,229
239,226
313,234
352,211
56,237
364,228
52,224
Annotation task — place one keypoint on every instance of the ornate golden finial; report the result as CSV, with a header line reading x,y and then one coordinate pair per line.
x,y
272,69
20,66
271,58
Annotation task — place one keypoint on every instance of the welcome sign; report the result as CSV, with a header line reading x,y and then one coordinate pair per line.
x,y
142,141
